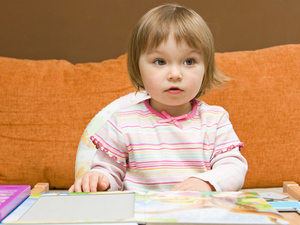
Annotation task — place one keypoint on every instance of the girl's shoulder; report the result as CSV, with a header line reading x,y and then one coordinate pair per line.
x,y
121,103
211,114
203,107
130,112
133,108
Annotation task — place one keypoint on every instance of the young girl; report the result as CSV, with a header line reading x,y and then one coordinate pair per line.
x,y
171,141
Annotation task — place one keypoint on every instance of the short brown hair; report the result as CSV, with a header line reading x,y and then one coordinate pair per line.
x,y
186,25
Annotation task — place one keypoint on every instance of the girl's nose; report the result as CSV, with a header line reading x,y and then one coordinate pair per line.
x,y
174,73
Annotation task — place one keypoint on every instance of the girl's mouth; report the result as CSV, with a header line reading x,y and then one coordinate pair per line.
x,y
174,90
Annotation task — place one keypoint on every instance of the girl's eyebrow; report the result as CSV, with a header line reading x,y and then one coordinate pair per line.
x,y
153,51
196,51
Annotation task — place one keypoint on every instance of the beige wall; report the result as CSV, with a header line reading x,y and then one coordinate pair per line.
x,y
94,30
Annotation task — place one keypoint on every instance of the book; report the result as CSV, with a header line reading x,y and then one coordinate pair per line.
x,y
11,196
286,206
146,208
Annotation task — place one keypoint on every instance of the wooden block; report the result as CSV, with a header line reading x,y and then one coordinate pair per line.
x,y
43,185
40,188
294,191
287,184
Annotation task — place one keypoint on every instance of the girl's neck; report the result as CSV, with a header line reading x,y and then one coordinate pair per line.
x,y
173,111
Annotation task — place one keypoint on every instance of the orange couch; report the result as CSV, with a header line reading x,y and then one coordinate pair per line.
x,y
46,105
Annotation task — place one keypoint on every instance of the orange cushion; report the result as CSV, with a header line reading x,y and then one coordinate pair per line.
x,y
46,105
263,101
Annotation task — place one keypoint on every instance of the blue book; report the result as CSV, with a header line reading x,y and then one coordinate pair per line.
x,y
286,206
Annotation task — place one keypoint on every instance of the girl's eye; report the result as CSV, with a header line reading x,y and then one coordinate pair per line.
x,y
160,62
189,62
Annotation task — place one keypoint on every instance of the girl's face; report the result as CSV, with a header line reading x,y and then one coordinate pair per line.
x,y
172,75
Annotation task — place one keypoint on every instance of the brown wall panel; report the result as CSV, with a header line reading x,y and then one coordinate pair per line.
x,y
94,30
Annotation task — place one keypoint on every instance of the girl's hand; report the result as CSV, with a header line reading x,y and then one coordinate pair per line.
x,y
90,182
193,184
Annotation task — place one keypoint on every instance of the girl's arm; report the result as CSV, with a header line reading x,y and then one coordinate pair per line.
x,y
114,171
105,174
228,171
227,174
228,166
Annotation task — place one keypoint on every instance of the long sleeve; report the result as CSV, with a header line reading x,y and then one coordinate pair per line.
x,y
114,171
228,171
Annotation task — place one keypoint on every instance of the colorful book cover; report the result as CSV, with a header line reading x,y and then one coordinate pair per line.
x,y
205,208
172,207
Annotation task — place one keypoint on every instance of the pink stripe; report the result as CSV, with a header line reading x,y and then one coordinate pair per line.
x,y
211,111
225,125
227,143
162,164
135,113
166,124
181,167
153,164
152,126
149,184
114,126
205,125
196,149
140,126
171,149
121,154
170,144
240,145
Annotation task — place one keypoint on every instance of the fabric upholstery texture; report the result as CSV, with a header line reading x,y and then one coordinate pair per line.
x,y
47,104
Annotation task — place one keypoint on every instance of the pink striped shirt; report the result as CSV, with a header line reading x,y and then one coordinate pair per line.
x,y
159,151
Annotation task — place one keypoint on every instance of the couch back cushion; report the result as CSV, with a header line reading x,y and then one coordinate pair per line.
x,y
263,101
46,105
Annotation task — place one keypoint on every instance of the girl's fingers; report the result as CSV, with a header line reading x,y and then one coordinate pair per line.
x,y
90,182
71,189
